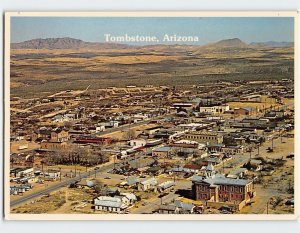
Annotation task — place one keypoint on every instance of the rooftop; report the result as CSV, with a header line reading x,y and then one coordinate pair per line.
x,y
221,180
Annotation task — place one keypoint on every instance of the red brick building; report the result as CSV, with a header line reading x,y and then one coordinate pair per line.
x,y
222,189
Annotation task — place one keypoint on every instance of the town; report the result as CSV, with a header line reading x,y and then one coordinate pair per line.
x,y
212,148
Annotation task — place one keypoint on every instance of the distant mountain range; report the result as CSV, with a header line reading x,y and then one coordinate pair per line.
x,y
71,43
64,43
273,44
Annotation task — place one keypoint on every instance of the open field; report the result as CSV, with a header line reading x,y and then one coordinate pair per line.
x,y
34,72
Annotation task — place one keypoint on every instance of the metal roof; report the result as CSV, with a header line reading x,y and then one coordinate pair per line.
x,y
221,180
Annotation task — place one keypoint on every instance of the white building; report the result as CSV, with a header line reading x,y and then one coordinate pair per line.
x,y
113,204
214,109
149,184
137,142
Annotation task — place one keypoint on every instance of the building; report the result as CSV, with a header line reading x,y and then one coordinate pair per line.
x,y
219,109
138,142
186,144
204,137
152,130
167,185
52,146
22,172
117,204
94,140
251,98
146,185
177,207
52,174
54,135
162,152
59,135
247,111
222,189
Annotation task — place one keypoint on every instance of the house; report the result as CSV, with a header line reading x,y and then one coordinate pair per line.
x,y
138,142
222,189
130,182
149,184
85,184
204,137
52,174
130,196
162,152
117,204
167,185
184,208
167,209
213,159
177,207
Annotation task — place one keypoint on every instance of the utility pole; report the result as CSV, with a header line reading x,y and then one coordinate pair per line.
x,y
268,207
60,174
42,162
258,150
223,167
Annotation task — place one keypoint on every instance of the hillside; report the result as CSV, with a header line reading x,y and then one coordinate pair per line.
x,y
64,43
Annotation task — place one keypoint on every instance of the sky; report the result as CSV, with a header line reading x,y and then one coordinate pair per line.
x,y
207,29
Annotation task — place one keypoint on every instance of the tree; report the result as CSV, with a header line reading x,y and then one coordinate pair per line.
x,y
99,187
130,134
68,124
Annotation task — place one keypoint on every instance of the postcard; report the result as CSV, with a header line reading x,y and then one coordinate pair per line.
x,y
151,115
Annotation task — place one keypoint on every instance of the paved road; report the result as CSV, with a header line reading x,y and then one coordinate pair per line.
x,y
83,175
59,185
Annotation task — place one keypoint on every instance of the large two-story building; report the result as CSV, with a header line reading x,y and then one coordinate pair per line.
x,y
219,188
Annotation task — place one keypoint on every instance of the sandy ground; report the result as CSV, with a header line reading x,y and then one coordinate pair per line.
x,y
275,185
122,134
14,146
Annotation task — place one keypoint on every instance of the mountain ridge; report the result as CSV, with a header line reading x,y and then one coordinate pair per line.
x,y
72,43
